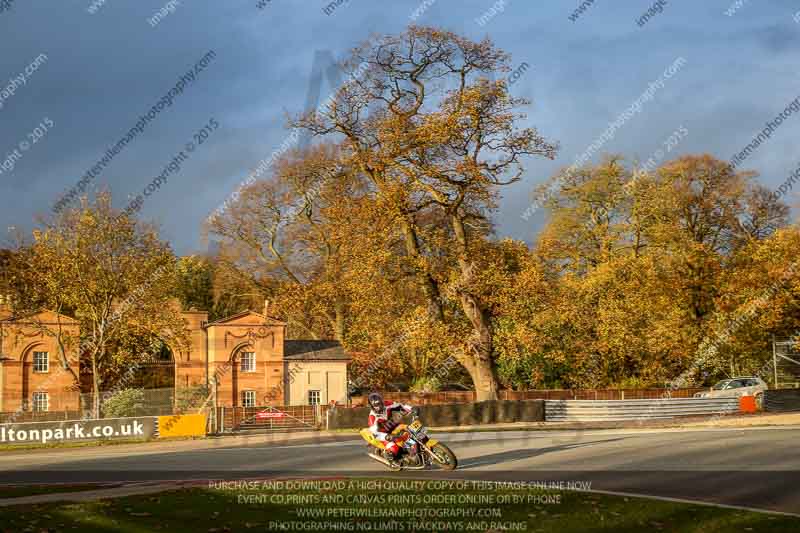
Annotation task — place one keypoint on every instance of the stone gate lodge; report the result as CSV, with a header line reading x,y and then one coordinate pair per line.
x,y
247,353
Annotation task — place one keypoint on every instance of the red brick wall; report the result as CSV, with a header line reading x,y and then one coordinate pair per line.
x,y
20,381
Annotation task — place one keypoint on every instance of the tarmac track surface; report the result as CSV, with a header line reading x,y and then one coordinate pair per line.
x,y
753,467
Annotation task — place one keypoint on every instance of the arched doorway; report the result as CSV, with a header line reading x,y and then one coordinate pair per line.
x,y
153,371
240,353
27,369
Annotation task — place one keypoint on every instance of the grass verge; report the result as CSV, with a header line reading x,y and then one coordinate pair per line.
x,y
18,491
80,444
91,444
384,505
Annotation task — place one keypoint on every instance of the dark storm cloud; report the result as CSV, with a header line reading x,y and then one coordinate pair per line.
x,y
105,69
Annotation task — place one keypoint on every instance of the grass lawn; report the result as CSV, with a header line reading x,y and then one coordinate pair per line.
x,y
382,505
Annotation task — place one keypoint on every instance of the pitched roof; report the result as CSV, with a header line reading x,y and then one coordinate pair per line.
x,y
237,316
44,317
314,350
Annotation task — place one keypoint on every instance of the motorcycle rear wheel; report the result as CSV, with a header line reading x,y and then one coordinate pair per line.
x,y
444,456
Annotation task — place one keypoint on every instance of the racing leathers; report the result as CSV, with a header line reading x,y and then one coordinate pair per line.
x,y
381,424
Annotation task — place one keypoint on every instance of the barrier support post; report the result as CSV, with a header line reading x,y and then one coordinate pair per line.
x,y
774,363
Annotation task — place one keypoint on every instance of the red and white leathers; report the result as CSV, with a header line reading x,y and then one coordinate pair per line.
x,y
381,424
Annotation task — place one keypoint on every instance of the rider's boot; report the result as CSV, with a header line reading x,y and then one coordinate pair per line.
x,y
394,460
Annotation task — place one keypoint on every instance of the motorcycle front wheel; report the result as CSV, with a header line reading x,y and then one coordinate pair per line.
x,y
444,456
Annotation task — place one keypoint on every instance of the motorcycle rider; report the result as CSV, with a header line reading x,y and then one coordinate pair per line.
x,y
382,423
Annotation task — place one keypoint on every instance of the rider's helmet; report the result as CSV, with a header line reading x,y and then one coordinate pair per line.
x,y
376,402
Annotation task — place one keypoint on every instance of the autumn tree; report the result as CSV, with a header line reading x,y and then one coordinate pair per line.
x,y
284,236
591,216
648,264
614,317
316,240
195,287
420,119
112,274
6,259
701,206
759,297
211,283
29,293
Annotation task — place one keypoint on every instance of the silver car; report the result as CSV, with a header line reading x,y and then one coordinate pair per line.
x,y
737,387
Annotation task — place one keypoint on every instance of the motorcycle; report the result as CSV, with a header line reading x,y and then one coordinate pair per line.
x,y
418,450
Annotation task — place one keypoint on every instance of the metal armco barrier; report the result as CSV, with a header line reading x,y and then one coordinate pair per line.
x,y
618,410
782,400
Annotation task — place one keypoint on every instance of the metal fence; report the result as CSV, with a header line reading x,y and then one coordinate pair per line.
x,y
153,402
270,418
39,416
620,410
74,406
786,363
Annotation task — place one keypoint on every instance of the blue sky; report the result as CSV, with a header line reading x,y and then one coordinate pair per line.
x,y
104,70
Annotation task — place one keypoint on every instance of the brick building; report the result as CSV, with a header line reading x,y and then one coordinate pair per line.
x,y
246,355
31,375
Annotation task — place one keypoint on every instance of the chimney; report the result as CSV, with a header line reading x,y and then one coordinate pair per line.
x,y
266,309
